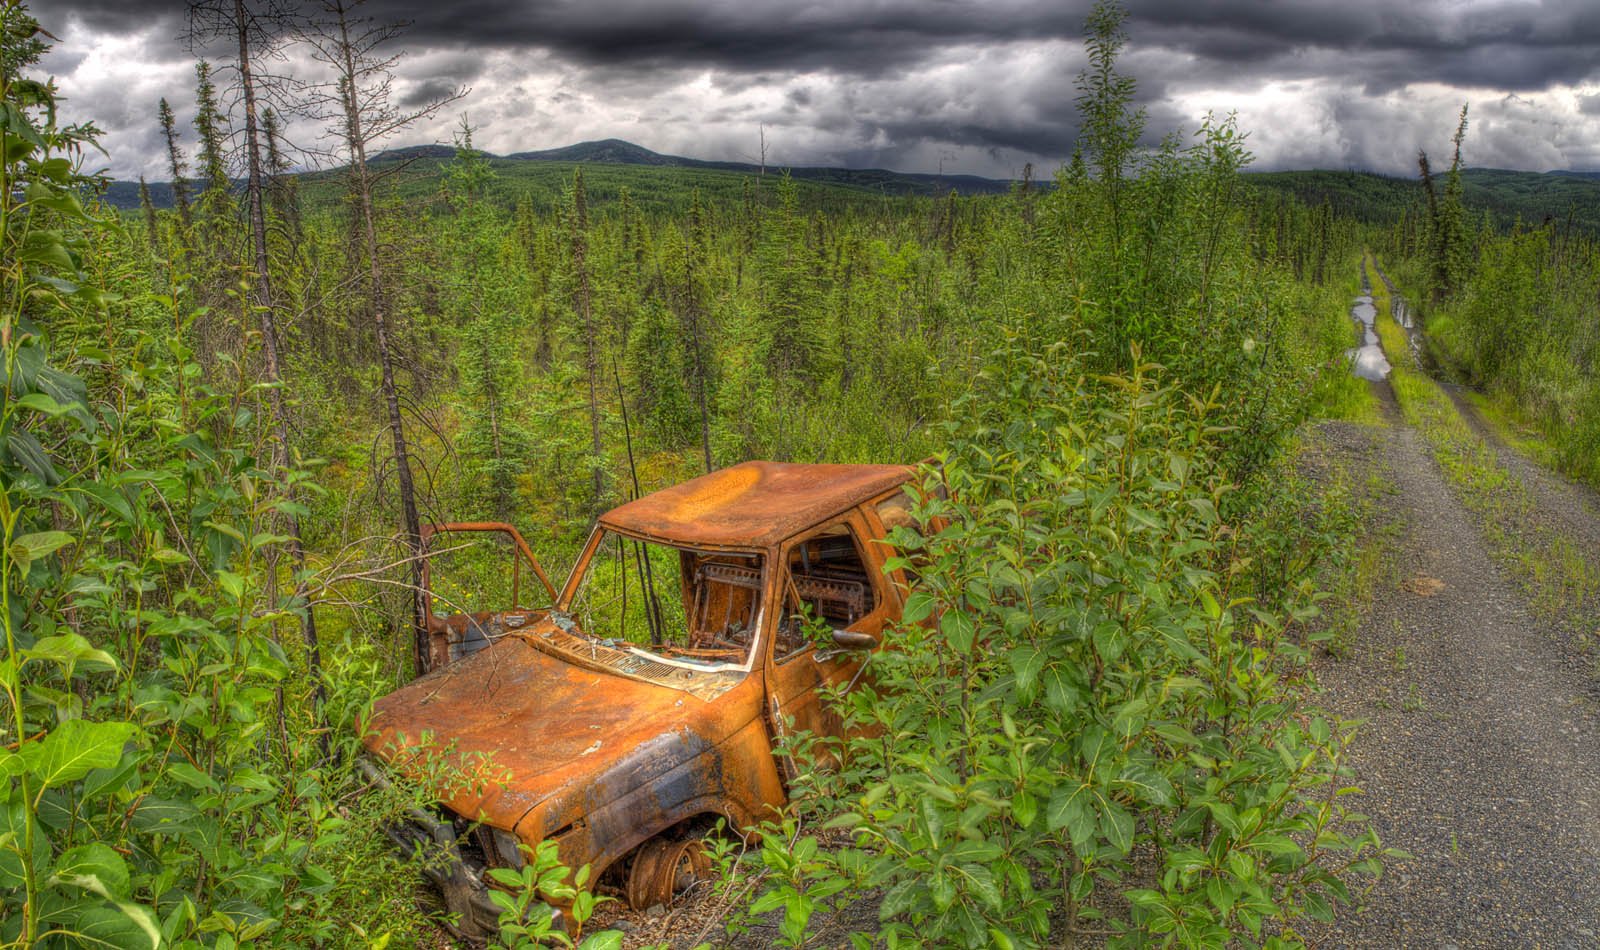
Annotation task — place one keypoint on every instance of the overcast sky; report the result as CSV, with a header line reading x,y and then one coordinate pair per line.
x,y
916,85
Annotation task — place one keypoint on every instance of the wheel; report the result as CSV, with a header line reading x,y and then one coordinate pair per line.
x,y
663,868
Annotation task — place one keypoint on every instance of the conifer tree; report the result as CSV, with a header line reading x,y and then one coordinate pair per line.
x,y
283,190
583,307
694,316
789,286
149,210
208,124
177,166
481,300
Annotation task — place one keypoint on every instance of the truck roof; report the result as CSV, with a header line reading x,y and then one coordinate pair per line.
x,y
753,504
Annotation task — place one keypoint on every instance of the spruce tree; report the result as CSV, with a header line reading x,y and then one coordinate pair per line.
x,y
583,308
176,165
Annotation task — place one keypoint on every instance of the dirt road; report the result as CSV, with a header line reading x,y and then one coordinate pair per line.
x,y
1481,750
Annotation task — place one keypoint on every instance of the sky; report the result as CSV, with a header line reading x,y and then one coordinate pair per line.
x,y
980,87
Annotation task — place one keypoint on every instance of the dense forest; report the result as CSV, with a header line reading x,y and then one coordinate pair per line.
x,y
225,422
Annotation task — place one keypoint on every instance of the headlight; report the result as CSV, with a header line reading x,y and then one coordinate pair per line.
x,y
506,850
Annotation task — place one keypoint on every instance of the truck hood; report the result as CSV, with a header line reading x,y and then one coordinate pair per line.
x,y
513,725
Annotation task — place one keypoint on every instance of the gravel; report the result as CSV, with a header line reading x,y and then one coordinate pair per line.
x,y
1480,752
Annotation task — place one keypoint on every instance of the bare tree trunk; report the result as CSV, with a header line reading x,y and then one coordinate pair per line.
x,y
377,300
269,343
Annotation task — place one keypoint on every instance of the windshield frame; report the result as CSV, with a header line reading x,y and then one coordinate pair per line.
x,y
598,535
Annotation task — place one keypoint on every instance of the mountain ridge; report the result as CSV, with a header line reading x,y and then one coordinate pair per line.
x,y
125,194
1533,197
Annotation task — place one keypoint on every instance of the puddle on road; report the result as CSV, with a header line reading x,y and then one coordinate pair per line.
x,y
1368,359
1402,315
1400,312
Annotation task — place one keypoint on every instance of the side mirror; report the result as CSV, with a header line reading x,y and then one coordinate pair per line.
x,y
854,640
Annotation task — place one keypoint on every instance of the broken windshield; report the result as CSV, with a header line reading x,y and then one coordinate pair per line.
x,y
695,607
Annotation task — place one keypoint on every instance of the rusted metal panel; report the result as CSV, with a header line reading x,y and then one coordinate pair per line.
x,y
754,504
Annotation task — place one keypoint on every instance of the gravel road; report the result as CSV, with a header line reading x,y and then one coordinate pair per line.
x,y
1480,755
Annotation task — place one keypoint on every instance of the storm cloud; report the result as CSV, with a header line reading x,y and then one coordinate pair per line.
x,y
921,85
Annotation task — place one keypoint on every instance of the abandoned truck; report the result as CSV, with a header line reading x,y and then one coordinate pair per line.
x,y
699,624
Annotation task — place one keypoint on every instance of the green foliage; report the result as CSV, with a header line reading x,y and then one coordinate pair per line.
x,y
152,791
526,921
1569,200
1089,683
1083,703
1513,313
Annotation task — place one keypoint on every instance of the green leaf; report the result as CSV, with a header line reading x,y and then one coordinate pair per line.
x,y
1117,824
126,927
39,402
1070,809
958,629
231,583
1146,783
918,606
93,867
26,451
1024,808
70,648
14,822
980,881
32,547
75,747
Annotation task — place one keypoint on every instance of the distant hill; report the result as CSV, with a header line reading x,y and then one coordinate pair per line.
x,y
618,152
1508,196
521,165
657,180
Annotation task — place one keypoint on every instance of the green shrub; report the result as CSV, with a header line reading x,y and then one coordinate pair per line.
x,y
1086,726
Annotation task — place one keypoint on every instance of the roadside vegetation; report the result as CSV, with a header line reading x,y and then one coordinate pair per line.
x,y
221,422
1509,311
1559,581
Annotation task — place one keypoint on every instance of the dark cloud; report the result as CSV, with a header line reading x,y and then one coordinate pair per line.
x,y
1518,44
424,93
113,16
1340,83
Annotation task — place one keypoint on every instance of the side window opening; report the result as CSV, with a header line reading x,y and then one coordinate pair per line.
x,y
481,581
828,588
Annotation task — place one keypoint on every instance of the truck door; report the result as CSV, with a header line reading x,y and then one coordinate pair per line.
x,y
829,581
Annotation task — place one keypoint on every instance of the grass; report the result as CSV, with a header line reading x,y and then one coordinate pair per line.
x,y
1364,561
1559,583
1339,393
1514,428
1348,398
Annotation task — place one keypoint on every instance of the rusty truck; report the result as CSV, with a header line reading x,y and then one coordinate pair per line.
x,y
623,713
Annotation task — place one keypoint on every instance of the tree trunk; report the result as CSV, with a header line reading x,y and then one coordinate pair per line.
x,y
377,300
269,344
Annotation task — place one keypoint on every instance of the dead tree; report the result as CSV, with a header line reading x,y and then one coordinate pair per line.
x,y
361,109
253,32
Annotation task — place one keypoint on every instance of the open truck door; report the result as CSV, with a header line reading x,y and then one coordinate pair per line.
x,y
480,580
